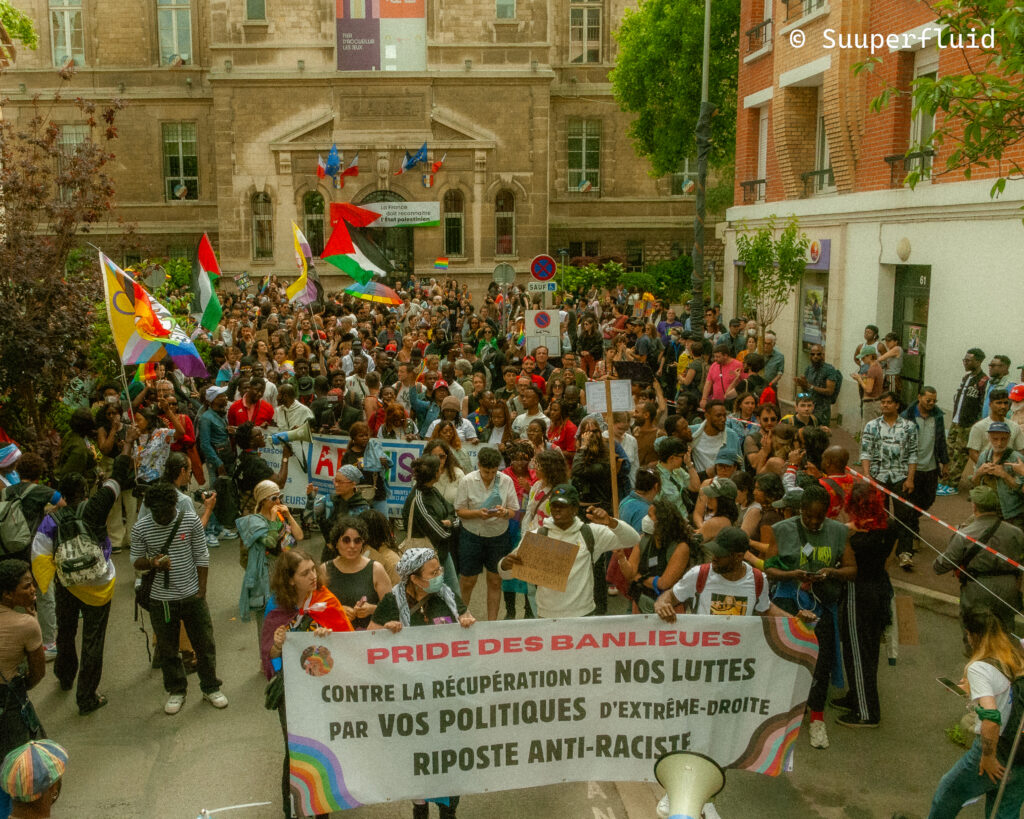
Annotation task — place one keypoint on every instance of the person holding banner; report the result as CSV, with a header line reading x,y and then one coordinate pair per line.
x,y
300,602
666,550
421,598
356,580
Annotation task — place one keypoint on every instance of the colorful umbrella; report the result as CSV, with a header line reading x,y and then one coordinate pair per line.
x,y
374,291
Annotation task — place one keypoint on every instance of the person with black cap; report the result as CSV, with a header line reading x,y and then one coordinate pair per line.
x,y
726,585
348,363
602,533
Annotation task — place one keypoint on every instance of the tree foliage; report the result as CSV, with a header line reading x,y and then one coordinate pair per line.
x,y
658,73
668,279
18,25
773,267
982,106
52,193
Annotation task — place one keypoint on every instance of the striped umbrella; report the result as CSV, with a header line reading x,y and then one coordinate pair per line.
x,y
375,292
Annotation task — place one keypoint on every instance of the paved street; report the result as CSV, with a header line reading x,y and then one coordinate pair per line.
x,y
131,760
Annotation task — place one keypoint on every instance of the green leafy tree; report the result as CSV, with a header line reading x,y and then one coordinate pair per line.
x,y
657,76
773,267
981,106
18,25
48,296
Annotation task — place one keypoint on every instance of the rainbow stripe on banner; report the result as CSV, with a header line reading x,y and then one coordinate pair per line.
x,y
441,263
312,765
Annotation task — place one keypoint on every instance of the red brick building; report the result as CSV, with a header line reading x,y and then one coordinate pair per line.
x,y
809,144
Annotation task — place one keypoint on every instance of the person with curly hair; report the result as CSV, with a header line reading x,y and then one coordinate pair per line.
x,y
359,582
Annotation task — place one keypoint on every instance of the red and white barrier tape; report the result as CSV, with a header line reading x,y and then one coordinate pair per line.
x,y
933,518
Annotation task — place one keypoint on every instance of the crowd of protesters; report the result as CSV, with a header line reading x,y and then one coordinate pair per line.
x,y
708,469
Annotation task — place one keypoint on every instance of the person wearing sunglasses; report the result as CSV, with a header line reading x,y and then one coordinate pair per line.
x,y
265,534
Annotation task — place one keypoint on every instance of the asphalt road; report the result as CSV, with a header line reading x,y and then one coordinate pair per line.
x,y
131,760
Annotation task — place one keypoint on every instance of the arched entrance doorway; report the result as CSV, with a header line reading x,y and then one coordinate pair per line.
x,y
396,243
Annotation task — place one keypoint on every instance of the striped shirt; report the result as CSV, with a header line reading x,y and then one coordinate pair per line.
x,y
187,551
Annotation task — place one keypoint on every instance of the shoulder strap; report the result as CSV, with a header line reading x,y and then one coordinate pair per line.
x,y
758,583
588,538
702,580
975,548
412,508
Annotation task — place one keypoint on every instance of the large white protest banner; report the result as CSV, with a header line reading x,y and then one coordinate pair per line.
x,y
445,711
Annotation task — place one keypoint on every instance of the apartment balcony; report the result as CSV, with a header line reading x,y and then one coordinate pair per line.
x,y
795,9
759,36
820,181
753,191
902,164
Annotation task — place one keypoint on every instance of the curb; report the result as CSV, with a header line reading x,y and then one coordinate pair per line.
x,y
936,601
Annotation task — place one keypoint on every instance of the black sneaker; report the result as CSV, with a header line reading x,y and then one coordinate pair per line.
x,y
853,721
845,703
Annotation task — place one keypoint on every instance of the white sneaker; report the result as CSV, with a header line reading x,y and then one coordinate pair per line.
x,y
228,534
216,699
819,736
174,703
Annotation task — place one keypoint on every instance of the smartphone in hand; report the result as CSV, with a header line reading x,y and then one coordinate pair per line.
x,y
952,686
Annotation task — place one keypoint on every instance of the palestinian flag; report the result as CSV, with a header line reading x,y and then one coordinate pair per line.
x,y
354,254
205,305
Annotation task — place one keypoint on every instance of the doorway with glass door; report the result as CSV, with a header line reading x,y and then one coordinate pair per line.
x,y
910,323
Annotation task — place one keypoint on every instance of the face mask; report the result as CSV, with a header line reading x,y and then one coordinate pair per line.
x,y
647,524
435,584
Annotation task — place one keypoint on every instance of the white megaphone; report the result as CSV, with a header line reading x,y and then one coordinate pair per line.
x,y
690,780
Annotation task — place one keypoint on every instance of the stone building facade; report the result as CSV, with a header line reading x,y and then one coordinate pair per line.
x,y
231,102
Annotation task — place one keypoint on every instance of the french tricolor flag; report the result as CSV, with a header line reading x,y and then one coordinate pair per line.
x,y
321,167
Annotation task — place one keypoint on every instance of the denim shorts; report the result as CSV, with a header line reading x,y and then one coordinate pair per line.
x,y
477,552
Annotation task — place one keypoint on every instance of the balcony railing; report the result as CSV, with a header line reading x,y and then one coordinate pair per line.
x,y
753,191
902,164
817,181
759,36
796,9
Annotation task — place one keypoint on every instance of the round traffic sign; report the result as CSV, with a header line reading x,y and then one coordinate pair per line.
x,y
542,268
504,273
542,320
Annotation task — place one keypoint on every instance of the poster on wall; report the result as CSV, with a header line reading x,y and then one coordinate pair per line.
x,y
812,314
381,35
914,344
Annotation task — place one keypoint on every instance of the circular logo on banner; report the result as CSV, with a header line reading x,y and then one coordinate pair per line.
x,y
317,661
542,320
542,268
814,251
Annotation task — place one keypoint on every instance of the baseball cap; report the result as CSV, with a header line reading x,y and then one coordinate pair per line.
x,y
791,500
729,541
720,488
305,385
1017,393
998,426
391,347
213,392
985,498
727,457
441,384
565,493
30,770
351,472
357,344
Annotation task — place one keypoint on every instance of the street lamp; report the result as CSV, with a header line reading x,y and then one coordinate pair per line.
x,y
703,149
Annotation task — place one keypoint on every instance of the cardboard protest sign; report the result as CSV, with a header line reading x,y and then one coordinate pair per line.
x,y
546,561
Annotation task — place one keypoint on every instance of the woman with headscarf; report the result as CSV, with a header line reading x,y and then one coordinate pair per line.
x,y
300,602
265,534
421,598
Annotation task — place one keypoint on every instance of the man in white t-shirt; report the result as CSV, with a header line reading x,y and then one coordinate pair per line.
x,y
727,585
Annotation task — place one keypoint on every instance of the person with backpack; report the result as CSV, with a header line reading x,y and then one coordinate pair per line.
x,y
994,682
600,534
725,585
986,581
22,507
71,549
823,381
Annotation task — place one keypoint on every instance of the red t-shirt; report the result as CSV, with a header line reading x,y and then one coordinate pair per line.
x,y
261,414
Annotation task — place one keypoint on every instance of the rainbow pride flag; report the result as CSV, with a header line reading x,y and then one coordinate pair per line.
x,y
441,263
